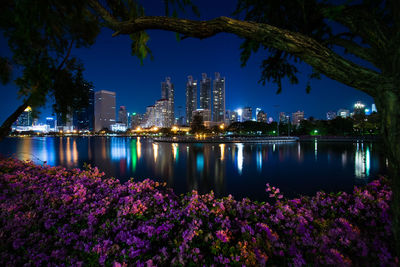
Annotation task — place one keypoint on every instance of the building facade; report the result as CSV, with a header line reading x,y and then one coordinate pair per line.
x,y
344,113
262,116
205,92
25,119
191,98
297,117
330,115
104,110
123,115
218,98
167,92
247,114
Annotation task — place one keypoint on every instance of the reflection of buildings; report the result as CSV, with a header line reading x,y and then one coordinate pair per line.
x,y
362,161
204,171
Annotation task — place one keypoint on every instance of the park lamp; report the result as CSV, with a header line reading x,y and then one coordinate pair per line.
x,y
222,126
174,129
154,129
138,129
315,131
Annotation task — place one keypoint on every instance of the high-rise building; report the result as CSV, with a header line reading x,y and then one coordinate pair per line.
x,y
205,92
330,115
283,118
123,115
204,113
51,123
162,114
167,92
25,119
191,98
136,120
257,110
297,117
83,118
218,98
104,110
373,108
262,116
247,114
344,113
149,117
231,116
359,108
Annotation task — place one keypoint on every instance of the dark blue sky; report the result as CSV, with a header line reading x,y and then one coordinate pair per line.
x,y
110,66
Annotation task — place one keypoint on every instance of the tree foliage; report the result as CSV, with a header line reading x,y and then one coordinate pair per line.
x,y
41,35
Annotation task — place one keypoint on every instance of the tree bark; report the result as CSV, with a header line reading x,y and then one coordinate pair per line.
x,y
388,104
5,128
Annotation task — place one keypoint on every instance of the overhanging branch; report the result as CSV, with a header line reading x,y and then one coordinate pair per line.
x,y
309,50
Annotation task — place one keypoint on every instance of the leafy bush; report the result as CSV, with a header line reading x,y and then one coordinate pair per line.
x,y
55,216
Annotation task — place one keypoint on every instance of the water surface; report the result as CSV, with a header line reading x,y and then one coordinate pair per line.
x,y
238,169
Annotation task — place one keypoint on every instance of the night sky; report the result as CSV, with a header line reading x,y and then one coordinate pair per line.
x,y
110,66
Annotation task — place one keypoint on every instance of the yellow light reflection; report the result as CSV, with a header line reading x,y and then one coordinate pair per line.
x,y
68,152
139,147
75,152
175,151
222,147
155,151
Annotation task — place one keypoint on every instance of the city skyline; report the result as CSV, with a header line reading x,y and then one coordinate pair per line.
x,y
110,66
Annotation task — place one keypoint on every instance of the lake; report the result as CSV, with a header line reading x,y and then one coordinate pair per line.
x,y
239,169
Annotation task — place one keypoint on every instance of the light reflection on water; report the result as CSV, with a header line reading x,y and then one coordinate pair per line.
x,y
238,169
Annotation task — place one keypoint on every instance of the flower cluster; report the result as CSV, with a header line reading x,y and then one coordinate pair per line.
x,y
55,216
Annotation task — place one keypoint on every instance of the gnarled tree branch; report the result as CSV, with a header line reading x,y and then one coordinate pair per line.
x,y
309,50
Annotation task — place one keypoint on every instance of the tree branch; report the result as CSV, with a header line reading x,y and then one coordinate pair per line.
x,y
323,59
353,48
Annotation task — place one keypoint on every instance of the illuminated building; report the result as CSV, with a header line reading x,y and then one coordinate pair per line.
x,y
104,110
297,117
344,113
191,98
25,119
262,116
359,108
205,92
83,118
118,127
123,115
204,113
373,108
231,116
330,115
218,98
247,114
51,123
167,92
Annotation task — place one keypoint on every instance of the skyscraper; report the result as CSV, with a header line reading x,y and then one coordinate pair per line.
x,y
297,117
344,113
83,119
123,115
247,114
25,119
104,110
167,92
219,98
262,116
191,98
205,92
330,115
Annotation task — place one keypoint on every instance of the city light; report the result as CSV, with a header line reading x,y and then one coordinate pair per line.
x,y
239,111
222,126
359,105
174,129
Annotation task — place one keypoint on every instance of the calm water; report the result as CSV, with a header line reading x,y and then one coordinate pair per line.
x,y
238,169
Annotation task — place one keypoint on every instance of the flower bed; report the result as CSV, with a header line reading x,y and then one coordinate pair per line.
x,y
55,216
